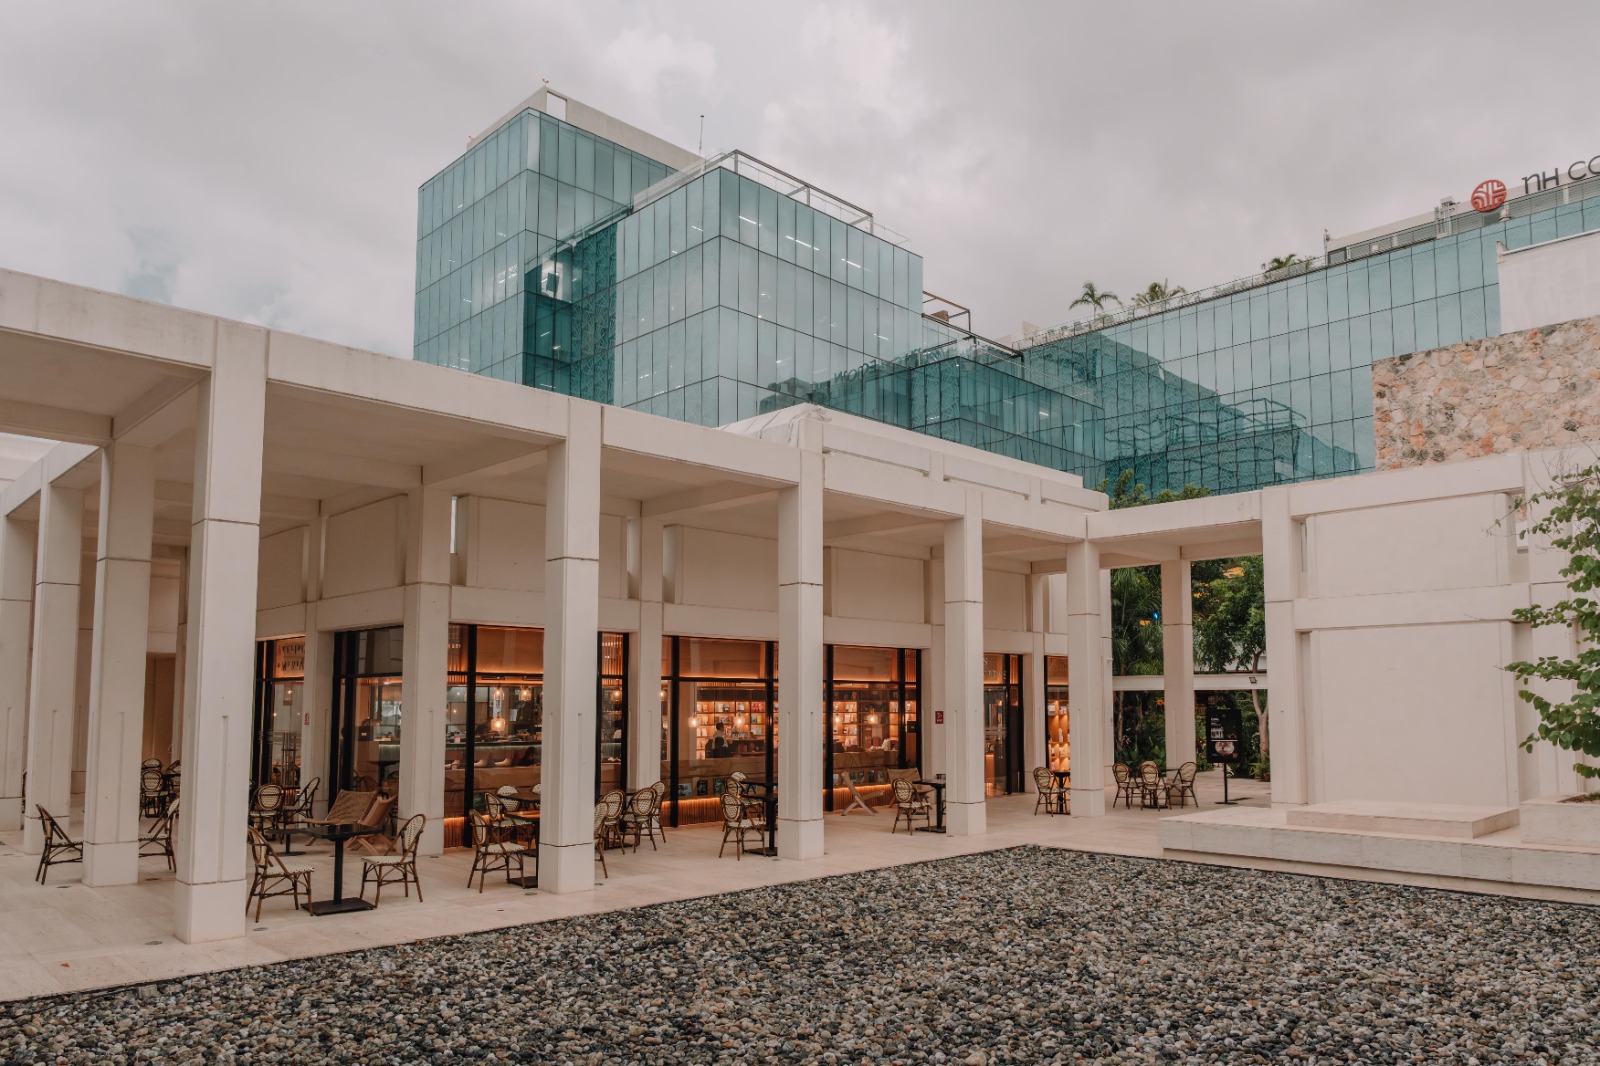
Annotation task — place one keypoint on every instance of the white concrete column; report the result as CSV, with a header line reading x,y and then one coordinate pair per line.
x,y
1034,752
219,666
1107,678
1087,690
427,662
644,667
117,664
1281,568
316,712
1177,660
80,686
963,664
800,584
16,639
180,660
571,654
53,677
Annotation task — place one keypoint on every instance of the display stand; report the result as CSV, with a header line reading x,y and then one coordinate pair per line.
x,y
857,800
1225,801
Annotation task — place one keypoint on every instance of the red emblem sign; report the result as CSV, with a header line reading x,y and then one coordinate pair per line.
x,y
1489,195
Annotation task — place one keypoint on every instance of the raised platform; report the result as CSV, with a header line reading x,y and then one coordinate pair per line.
x,y
1443,851
1410,819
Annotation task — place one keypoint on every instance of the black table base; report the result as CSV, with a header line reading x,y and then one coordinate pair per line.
x,y
340,906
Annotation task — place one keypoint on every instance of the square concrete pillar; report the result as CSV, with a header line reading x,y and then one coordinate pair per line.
x,y
1281,571
1177,660
966,813
644,666
1087,687
118,648
53,670
800,693
427,662
1034,752
219,667
571,654
316,718
16,640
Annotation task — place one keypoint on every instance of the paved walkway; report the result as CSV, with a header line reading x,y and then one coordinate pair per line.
x,y
64,937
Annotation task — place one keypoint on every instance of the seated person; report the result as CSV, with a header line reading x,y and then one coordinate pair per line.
x,y
527,758
718,747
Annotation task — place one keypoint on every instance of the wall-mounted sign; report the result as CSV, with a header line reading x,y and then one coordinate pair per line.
x,y
938,718
1488,195
289,657
1224,735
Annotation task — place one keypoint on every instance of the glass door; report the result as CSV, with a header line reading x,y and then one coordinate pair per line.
x,y
279,712
1002,723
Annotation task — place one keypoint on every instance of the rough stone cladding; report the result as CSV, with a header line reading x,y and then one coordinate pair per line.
x,y
1539,388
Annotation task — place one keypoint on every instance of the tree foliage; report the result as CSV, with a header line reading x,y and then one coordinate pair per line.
x,y
1572,524
1157,292
1093,297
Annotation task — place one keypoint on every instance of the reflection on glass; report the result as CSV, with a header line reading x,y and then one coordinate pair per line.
x,y
1057,714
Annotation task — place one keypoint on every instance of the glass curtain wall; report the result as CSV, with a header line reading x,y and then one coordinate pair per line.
x,y
1274,383
279,712
870,718
1057,714
365,745
722,717
1002,723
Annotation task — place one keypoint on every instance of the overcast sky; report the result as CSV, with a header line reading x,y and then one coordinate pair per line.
x,y
261,161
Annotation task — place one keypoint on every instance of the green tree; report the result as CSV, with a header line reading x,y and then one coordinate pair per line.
x,y
1572,524
1158,292
1230,625
1093,297
1136,629
1283,262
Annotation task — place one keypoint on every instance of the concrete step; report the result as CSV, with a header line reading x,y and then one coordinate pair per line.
x,y
1261,833
1415,819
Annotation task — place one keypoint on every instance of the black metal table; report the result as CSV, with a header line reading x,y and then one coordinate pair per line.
x,y
769,803
530,822
938,800
339,834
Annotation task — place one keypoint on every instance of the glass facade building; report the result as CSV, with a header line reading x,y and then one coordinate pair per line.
x,y
553,257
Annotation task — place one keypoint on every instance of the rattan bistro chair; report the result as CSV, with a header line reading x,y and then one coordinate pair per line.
x,y
737,823
660,790
909,804
160,837
267,811
489,852
58,847
1152,789
1052,797
1126,785
1181,787
638,819
151,799
275,875
398,869
600,837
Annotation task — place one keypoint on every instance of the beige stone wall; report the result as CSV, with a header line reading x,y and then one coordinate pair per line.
x,y
1536,389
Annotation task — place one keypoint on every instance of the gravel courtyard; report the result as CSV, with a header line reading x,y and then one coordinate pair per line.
x,y
1024,956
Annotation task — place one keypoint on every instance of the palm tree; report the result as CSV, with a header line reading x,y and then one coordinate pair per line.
x,y
1093,297
1158,292
1283,262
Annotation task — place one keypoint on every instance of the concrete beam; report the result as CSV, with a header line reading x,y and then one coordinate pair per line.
x,y
53,423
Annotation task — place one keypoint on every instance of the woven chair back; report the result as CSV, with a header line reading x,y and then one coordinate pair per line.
x,y
410,833
1043,780
269,797
1120,772
904,791
732,809
1150,774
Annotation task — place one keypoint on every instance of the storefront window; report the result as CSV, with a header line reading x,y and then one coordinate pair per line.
x,y
722,720
871,717
1057,717
496,739
279,712
365,752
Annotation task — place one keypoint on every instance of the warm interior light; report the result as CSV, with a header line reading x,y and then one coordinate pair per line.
x,y
694,719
